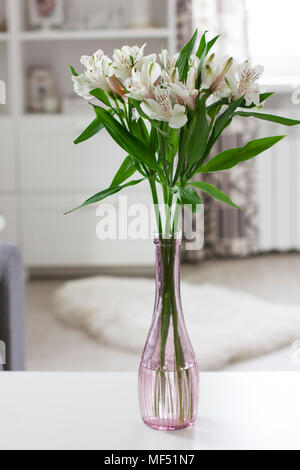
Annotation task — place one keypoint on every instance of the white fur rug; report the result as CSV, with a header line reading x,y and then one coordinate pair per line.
x,y
224,325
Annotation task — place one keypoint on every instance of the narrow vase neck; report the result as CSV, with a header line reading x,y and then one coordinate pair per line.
x,y
168,271
168,347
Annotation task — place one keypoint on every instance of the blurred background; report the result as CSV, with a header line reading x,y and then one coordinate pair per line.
x,y
42,174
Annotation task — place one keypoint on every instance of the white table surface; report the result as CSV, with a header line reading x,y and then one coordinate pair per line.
x,y
100,411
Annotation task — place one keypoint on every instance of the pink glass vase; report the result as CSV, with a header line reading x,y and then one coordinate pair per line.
x,y
169,374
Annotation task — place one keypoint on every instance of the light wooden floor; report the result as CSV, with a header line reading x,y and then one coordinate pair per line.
x,y
53,347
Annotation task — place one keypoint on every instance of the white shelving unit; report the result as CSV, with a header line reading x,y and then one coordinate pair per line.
x,y
88,35
41,172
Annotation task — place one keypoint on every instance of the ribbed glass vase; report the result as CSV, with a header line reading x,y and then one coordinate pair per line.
x,y
169,374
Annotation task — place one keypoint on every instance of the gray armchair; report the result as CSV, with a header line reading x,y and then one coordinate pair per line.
x,y
12,307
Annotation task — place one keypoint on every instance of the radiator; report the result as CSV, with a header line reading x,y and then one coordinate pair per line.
x,y
278,187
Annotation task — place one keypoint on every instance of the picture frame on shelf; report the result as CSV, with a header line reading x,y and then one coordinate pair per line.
x,y
45,13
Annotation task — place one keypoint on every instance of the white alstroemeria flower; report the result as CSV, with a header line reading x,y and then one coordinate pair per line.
x,y
142,82
193,72
97,75
100,74
246,84
194,61
105,73
182,95
162,109
167,63
83,86
128,58
169,70
107,79
215,71
91,64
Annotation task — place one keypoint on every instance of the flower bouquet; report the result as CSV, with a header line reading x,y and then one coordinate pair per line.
x,y
167,113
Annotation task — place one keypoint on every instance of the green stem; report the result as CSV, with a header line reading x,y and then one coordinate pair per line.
x,y
181,156
169,214
176,218
156,204
162,157
119,112
170,311
167,272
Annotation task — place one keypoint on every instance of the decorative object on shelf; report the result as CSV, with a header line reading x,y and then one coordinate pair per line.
x,y
78,14
42,91
3,97
86,14
119,14
142,14
2,223
3,25
46,13
3,15
168,113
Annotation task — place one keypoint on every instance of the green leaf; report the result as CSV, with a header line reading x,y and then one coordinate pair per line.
x,y
263,97
216,107
74,73
269,117
214,192
213,112
199,75
172,144
184,57
206,46
201,54
143,130
135,147
153,139
211,43
202,45
104,194
198,140
188,196
126,170
225,101
101,96
221,102
221,123
93,129
138,128
230,158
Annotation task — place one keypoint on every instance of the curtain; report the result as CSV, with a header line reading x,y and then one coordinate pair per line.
x,y
227,232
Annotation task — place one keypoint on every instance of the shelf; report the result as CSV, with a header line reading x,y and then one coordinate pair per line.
x,y
38,116
30,36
